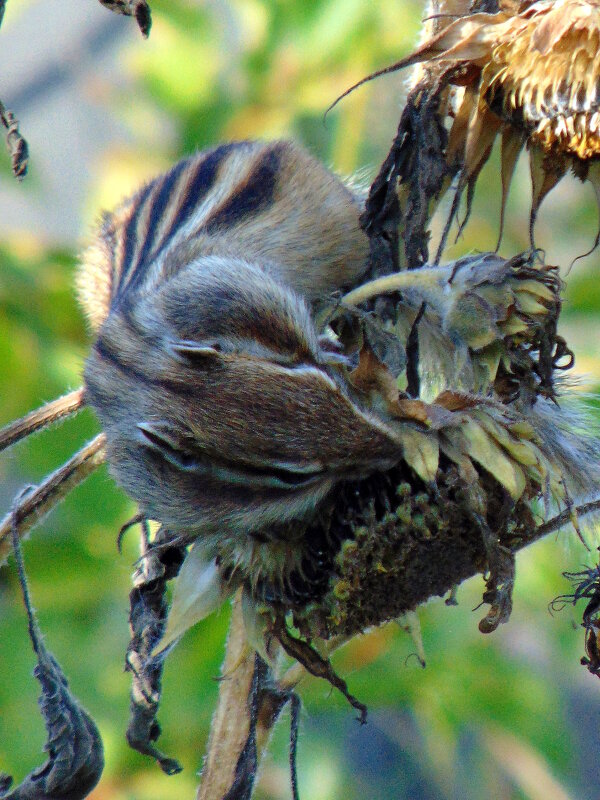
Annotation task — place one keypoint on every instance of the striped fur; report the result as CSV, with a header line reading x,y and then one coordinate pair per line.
x,y
271,204
224,415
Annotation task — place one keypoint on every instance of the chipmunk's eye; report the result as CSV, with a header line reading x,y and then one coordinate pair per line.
x,y
158,440
197,351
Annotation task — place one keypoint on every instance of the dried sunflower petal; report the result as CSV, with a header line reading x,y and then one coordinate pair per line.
x,y
483,449
421,452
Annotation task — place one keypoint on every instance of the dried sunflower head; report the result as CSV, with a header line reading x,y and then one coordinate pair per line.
x,y
544,75
530,72
488,326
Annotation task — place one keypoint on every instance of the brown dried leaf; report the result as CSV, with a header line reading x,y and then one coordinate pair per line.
x,y
456,401
371,375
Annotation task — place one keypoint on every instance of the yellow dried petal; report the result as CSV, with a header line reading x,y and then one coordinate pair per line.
x,y
523,429
483,449
488,359
198,592
529,305
421,452
536,288
525,452
513,326
455,452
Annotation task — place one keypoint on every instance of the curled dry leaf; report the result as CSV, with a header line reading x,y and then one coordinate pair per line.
x,y
139,9
17,146
74,746
148,609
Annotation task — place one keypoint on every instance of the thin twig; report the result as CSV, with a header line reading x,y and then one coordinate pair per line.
x,y
52,412
566,516
43,498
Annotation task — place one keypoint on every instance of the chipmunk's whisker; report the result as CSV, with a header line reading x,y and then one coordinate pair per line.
x,y
42,417
39,502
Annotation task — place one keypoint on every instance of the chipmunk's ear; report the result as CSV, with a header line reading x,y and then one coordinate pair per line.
x,y
36,420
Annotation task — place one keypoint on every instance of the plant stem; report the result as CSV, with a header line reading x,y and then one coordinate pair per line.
x,y
231,720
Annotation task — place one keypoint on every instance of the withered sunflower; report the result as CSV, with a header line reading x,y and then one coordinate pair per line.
x,y
536,79
530,72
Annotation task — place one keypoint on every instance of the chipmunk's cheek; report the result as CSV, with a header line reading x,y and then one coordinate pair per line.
x,y
202,499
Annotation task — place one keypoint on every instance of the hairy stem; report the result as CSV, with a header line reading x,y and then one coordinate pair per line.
x,y
231,720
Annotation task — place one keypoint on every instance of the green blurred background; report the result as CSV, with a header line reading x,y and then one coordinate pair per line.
x,y
512,715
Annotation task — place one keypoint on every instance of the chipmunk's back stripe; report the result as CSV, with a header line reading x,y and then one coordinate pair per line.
x,y
255,193
200,183
159,201
163,208
200,178
129,237
189,202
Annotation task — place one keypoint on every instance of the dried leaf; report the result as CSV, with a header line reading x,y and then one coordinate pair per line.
x,y
511,147
483,129
545,174
371,375
132,8
488,359
75,752
15,142
513,326
530,306
76,755
536,288
146,621
457,455
525,453
522,429
456,401
458,132
409,409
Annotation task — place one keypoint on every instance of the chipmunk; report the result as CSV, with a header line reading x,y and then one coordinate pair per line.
x,y
230,415
224,413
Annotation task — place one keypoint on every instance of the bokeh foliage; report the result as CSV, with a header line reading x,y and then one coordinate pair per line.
x,y
509,716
